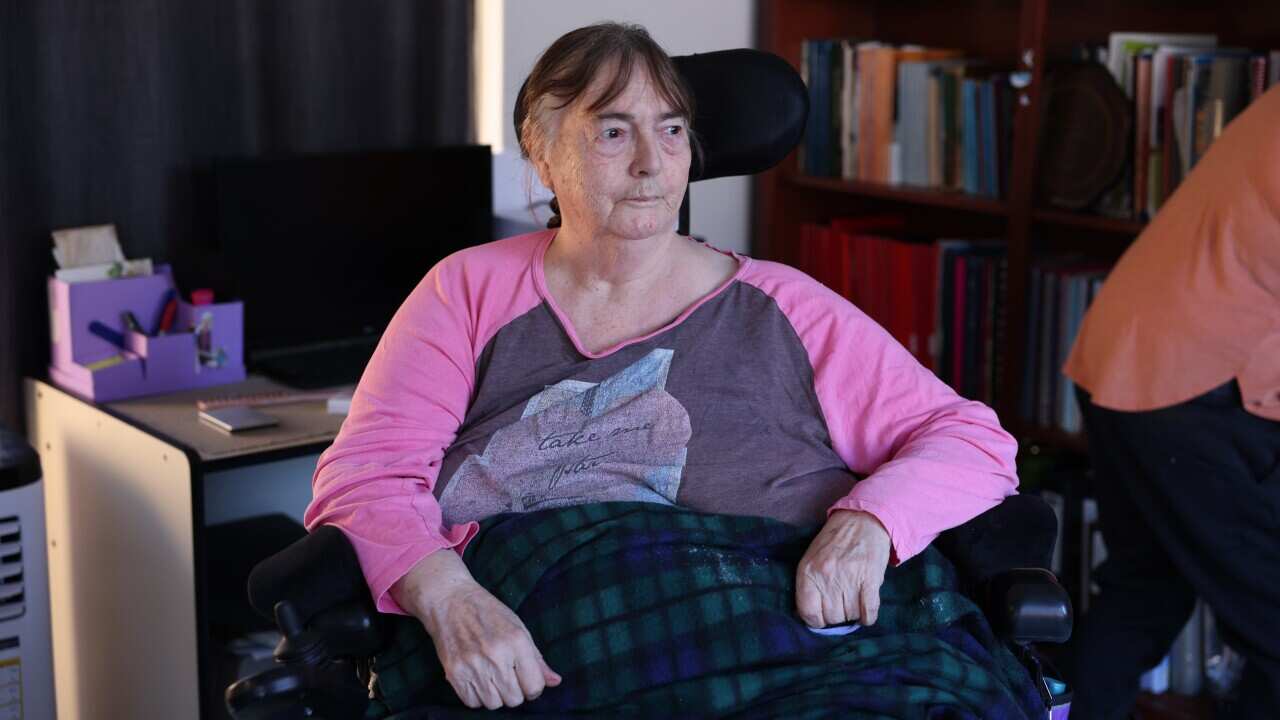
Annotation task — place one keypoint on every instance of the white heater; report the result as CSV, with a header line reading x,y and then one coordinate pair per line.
x,y
26,657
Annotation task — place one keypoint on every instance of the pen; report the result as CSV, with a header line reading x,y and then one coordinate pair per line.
x,y
107,334
131,322
164,313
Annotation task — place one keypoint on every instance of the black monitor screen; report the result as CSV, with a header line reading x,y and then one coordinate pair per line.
x,y
324,248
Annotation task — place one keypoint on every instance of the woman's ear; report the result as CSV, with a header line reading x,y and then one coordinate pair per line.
x,y
544,174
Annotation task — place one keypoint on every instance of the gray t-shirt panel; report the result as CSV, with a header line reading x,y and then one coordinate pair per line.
x,y
717,413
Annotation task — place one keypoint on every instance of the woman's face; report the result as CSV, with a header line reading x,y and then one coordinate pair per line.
x,y
620,170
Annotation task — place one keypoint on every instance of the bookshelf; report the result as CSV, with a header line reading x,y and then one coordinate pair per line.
x,y
1021,35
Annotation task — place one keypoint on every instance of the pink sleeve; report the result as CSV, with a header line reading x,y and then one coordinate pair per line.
x,y
375,482
932,459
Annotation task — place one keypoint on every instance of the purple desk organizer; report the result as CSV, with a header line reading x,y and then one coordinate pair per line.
x,y
158,364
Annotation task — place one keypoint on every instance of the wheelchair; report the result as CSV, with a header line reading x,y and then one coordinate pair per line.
x,y
316,592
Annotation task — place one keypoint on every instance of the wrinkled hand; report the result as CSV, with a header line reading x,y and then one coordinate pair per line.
x,y
839,577
488,655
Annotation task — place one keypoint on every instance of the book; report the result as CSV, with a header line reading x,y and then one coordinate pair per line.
x,y
877,83
1142,134
1122,47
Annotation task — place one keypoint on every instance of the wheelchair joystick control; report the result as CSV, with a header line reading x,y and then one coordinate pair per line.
x,y
287,619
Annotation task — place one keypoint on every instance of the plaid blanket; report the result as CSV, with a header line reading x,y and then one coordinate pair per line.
x,y
654,611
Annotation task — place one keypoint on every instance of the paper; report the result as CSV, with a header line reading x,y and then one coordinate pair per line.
x,y
836,629
105,271
84,246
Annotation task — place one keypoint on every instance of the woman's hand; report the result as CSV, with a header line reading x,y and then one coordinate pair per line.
x,y
839,577
488,655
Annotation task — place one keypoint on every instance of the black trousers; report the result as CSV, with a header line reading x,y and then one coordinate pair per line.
x,y
1189,504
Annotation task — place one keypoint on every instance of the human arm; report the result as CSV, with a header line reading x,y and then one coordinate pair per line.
x,y
931,460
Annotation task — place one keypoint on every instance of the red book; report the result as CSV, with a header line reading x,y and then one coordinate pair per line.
x,y
925,262
958,340
905,295
806,250
860,252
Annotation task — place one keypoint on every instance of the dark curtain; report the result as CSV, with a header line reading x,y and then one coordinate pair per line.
x,y
110,108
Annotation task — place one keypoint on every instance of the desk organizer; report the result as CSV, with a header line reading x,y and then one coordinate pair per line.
x,y
156,364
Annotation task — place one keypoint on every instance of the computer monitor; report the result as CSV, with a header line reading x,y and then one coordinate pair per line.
x,y
322,249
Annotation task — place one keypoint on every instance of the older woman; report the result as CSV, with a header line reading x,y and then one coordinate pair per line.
x,y
612,359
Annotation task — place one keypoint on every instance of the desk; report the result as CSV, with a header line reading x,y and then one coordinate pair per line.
x,y
130,487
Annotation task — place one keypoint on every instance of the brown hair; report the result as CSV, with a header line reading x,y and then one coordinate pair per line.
x,y
566,69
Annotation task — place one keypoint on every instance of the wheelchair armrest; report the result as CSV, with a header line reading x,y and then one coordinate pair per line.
x,y
320,601
1020,532
319,571
1027,605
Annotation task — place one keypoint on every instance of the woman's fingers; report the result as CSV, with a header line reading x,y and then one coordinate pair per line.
x,y
467,693
840,575
551,676
832,604
870,599
808,601
508,686
492,696
529,674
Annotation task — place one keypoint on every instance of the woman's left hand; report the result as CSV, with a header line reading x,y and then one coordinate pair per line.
x,y
839,577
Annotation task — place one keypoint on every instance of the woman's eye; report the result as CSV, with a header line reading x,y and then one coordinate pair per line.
x,y
674,130
612,133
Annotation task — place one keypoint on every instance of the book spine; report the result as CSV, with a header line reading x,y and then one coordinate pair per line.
x,y
1030,368
1142,135
958,339
969,129
1257,76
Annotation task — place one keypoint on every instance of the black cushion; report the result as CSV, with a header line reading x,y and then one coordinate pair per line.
x,y
1020,532
319,571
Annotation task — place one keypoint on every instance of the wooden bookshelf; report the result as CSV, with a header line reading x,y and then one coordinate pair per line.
x,y
1021,35
904,194
1085,221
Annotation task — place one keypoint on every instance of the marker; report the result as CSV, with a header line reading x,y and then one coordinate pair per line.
x,y
157,324
107,334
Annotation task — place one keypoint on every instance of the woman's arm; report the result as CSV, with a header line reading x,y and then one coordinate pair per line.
x,y
375,482
932,459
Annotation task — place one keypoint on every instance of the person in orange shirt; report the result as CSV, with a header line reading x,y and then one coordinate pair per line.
x,y
1177,370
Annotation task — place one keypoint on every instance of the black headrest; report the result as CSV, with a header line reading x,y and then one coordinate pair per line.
x,y
751,107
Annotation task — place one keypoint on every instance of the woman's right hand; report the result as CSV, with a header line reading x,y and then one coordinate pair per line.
x,y
488,655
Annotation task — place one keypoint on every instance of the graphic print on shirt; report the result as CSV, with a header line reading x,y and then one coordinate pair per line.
x,y
623,439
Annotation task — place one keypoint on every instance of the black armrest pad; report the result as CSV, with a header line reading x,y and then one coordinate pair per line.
x,y
1028,605
314,573
1018,533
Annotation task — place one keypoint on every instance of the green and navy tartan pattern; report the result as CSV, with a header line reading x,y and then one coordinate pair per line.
x,y
654,611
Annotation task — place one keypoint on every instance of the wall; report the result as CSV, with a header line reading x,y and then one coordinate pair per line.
x,y
720,207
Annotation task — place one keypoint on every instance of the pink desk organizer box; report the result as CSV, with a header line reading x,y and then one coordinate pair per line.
x,y
164,363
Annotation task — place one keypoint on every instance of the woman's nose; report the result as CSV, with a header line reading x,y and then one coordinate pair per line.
x,y
647,159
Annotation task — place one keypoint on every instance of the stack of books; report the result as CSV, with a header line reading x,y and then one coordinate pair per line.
x,y
1059,292
1185,90
910,115
941,299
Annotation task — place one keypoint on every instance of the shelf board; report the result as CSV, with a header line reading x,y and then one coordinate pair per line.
x,y
905,194
1085,221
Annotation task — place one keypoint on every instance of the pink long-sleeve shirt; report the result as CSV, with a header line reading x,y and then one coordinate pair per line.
x,y
770,396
